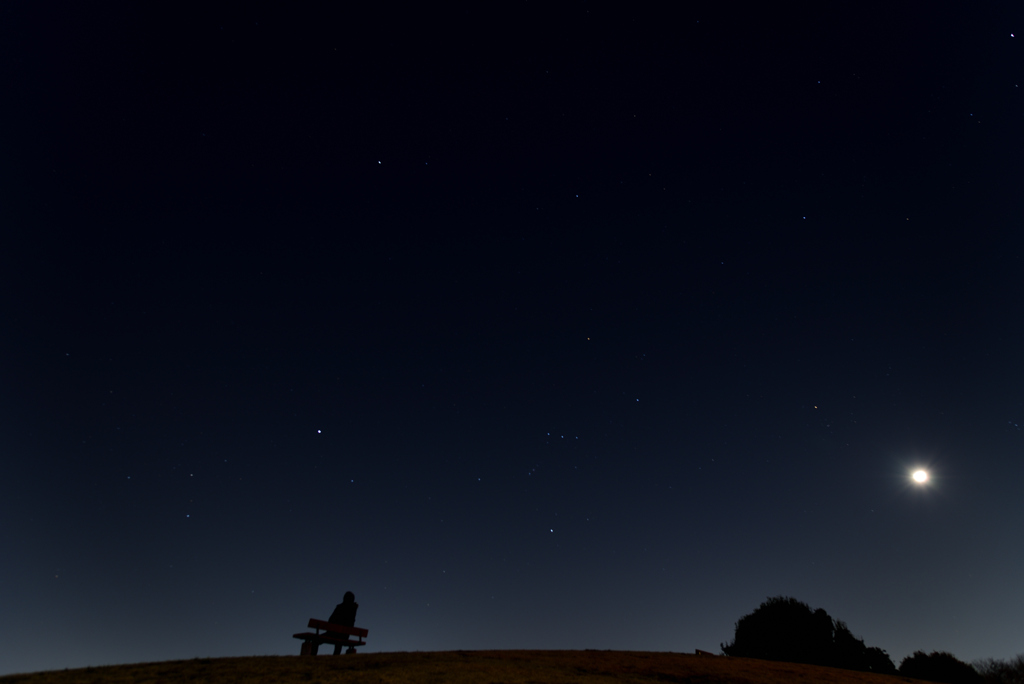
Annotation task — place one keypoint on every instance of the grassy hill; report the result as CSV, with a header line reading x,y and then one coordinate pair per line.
x,y
498,667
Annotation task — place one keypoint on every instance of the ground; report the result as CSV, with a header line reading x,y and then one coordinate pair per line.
x,y
504,667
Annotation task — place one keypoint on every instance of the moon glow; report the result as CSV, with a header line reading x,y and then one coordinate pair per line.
x,y
920,476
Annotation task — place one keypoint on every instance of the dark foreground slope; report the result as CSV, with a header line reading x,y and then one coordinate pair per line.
x,y
506,667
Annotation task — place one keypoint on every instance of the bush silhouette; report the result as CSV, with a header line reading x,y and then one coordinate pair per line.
x,y
939,666
783,628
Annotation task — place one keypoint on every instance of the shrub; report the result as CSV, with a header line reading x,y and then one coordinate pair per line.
x,y
939,666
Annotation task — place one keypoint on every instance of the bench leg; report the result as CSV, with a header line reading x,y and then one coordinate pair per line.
x,y
305,648
314,648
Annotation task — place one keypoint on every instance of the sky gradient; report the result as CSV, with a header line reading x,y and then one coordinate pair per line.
x,y
586,326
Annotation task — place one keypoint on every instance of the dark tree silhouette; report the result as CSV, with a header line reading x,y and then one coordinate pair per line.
x,y
783,628
939,666
994,671
878,660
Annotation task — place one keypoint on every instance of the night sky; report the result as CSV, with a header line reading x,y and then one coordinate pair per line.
x,y
535,326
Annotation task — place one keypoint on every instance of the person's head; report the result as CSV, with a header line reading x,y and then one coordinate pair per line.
x,y
349,597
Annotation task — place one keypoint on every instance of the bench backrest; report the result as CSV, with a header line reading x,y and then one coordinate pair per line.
x,y
342,629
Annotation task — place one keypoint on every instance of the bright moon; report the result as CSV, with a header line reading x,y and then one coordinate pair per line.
x,y
920,476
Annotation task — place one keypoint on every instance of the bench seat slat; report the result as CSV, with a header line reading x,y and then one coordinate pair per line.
x,y
327,639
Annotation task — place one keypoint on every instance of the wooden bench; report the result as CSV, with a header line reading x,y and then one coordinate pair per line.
x,y
338,635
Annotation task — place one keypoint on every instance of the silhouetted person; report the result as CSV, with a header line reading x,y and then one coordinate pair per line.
x,y
344,614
